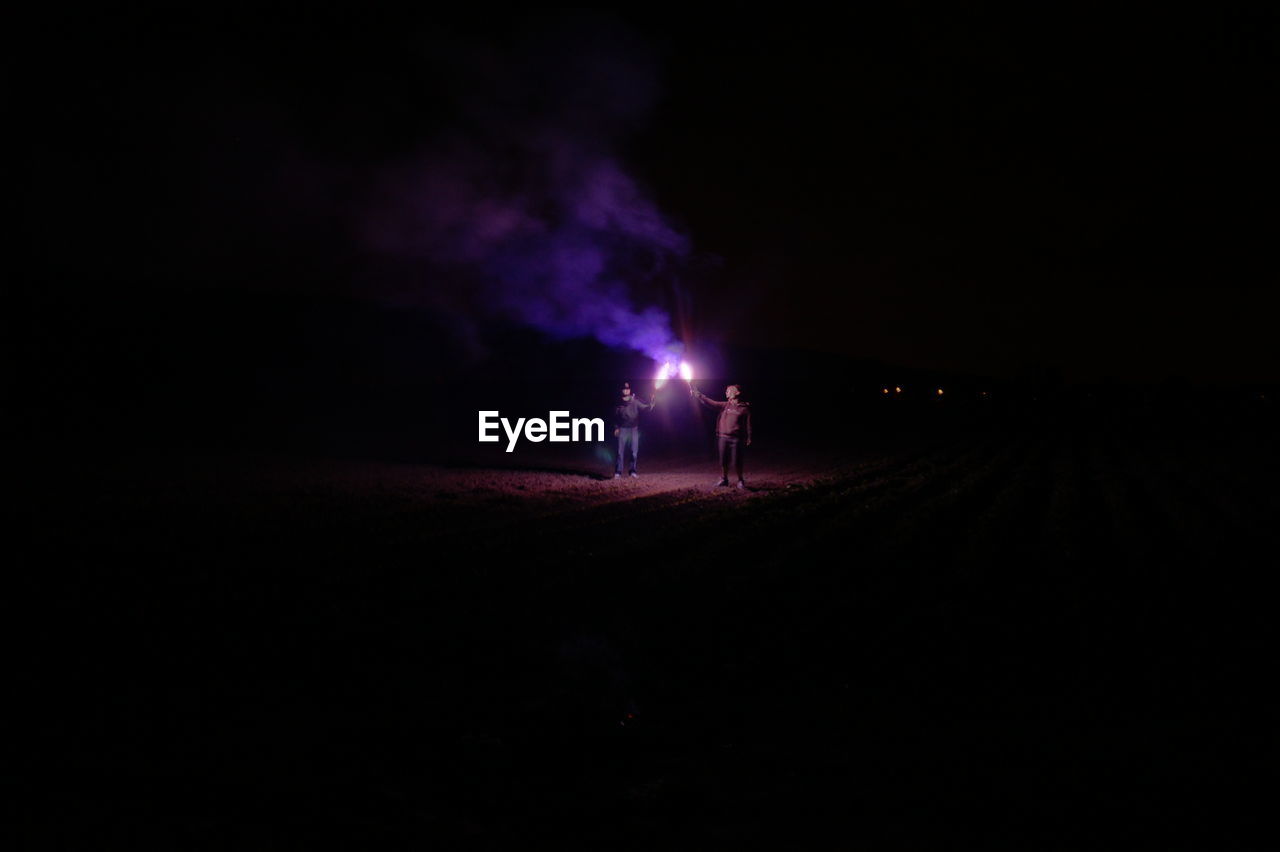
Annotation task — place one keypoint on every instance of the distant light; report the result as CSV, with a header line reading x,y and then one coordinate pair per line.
x,y
939,391
884,390
897,389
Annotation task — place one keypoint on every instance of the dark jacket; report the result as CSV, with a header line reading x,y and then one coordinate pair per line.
x,y
735,417
627,414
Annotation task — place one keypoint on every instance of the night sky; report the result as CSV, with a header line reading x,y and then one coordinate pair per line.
x,y
1088,194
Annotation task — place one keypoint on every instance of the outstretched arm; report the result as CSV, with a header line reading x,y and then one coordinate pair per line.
x,y
707,401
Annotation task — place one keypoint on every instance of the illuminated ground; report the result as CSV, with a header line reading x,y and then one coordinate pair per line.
x,y
1016,635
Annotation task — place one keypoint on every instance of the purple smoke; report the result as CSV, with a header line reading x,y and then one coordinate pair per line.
x,y
525,212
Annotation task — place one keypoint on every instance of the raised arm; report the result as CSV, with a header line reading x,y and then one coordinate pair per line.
x,y
707,401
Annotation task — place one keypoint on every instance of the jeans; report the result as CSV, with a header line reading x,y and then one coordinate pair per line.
x,y
629,435
731,452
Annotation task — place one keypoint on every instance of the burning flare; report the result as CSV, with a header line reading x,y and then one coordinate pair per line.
x,y
666,371
669,370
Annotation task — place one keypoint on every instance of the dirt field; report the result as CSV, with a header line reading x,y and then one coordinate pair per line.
x,y
1045,636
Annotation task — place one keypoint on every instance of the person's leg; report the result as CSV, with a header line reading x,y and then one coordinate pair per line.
x,y
635,448
622,448
735,458
722,445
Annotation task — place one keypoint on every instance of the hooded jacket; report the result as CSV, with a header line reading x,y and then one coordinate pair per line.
x,y
735,416
627,414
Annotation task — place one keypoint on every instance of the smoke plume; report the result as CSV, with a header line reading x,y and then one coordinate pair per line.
x,y
524,211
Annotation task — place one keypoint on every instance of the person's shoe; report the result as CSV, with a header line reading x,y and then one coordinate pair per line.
x,y
724,483
617,476
635,475
742,486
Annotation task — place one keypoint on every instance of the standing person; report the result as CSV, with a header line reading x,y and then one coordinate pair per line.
x,y
733,431
626,428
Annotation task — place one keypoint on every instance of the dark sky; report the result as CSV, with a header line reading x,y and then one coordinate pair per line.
x,y
1071,190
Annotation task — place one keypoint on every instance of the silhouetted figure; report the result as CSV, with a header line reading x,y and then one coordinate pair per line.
x,y
733,430
626,428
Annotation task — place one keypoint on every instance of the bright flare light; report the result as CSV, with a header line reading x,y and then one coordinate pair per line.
x,y
670,371
664,372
